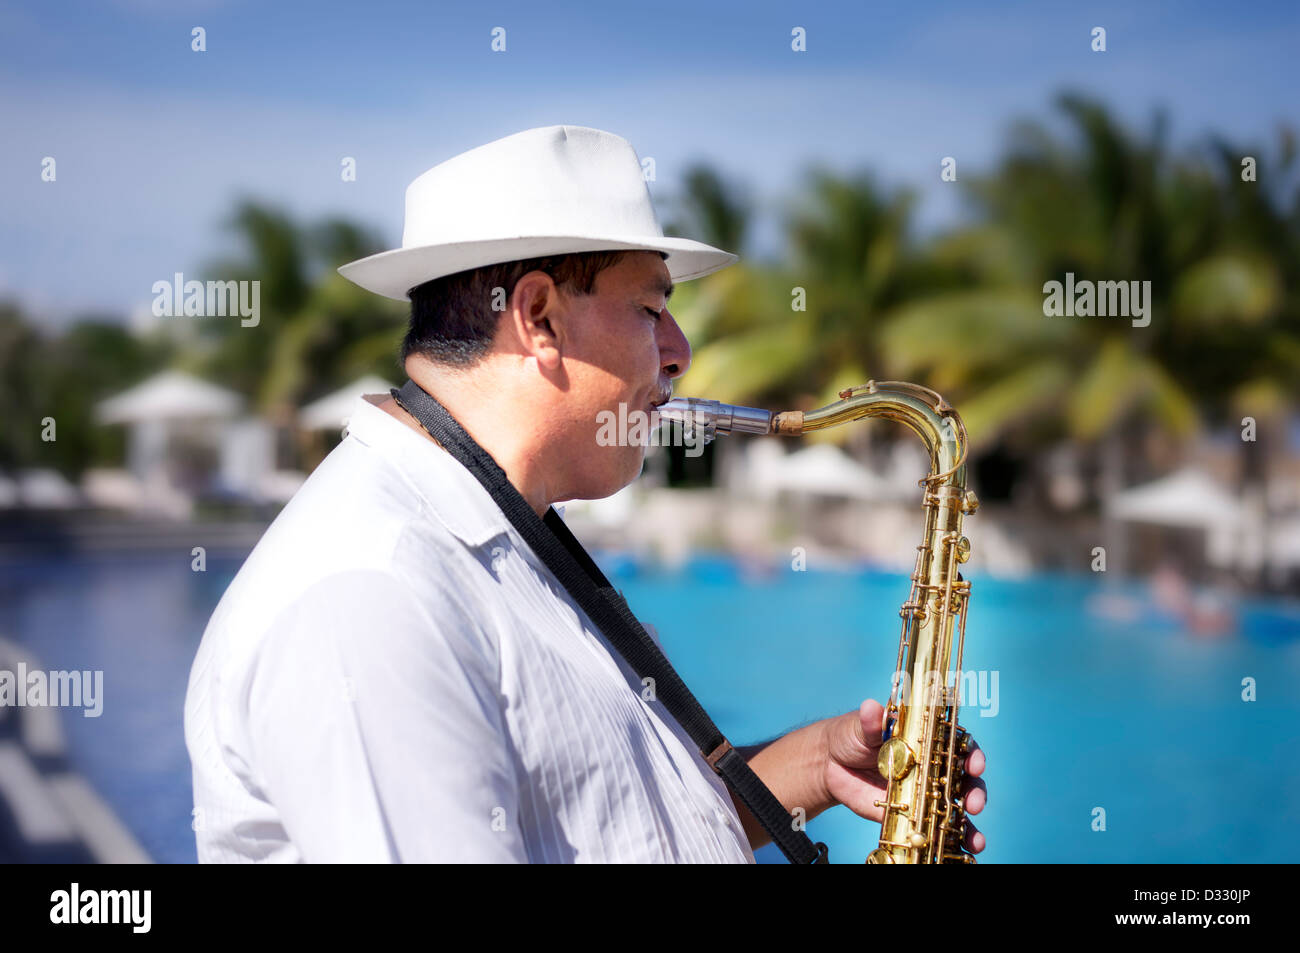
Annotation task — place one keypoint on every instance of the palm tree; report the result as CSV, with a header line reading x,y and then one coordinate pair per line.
x,y
317,331
1220,258
800,333
1104,207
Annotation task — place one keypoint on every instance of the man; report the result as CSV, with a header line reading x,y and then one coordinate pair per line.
x,y
394,675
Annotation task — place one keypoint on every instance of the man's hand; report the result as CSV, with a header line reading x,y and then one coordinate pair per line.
x,y
852,741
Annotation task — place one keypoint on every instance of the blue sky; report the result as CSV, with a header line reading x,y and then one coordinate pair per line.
x,y
154,141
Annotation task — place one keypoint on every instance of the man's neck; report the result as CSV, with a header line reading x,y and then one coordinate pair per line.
x,y
486,427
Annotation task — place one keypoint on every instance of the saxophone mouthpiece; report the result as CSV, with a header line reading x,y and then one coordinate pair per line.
x,y
715,417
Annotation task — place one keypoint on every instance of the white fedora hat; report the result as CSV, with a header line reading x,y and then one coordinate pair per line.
x,y
547,191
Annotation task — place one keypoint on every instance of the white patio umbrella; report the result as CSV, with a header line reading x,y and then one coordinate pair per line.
x,y
823,470
155,409
170,395
1187,497
331,411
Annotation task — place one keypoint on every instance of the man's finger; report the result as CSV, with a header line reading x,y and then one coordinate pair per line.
x,y
858,791
975,760
974,839
976,795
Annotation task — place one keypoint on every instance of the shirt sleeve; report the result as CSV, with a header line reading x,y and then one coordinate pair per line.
x,y
377,730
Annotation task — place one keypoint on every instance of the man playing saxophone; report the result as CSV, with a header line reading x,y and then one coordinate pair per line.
x,y
393,676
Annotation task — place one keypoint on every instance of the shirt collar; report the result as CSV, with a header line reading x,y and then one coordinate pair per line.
x,y
450,492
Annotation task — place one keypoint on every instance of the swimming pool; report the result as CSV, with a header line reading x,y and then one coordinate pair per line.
x,y
1134,717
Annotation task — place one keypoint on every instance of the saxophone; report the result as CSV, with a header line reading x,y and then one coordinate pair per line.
x,y
923,749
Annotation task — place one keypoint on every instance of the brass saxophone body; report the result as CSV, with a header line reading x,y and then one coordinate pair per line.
x,y
923,750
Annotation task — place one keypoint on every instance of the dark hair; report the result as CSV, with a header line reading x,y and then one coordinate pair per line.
x,y
452,320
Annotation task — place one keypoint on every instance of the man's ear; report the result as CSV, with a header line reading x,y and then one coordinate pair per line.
x,y
536,318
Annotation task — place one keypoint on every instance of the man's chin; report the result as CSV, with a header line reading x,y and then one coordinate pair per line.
x,y
608,487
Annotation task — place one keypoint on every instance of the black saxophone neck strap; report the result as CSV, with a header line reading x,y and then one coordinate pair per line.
x,y
551,540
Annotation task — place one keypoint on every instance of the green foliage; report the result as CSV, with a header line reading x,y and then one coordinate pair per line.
x,y
964,313
63,377
317,331
859,297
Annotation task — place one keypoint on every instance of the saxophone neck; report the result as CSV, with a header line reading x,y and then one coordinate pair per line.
x,y
918,408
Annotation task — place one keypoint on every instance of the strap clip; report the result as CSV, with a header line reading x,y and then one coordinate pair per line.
x,y
717,754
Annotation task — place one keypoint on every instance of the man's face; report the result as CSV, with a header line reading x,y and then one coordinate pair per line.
x,y
622,352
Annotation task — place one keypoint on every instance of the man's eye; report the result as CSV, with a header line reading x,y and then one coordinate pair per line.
x,y
653,313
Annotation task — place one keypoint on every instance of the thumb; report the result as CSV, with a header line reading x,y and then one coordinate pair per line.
x,y
871,720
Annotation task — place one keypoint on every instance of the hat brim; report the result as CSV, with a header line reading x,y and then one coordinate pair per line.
x,y
393,273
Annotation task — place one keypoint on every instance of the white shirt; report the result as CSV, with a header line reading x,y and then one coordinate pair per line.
x,y
393,675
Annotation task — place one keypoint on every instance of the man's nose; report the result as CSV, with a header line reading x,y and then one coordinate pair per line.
x,y
674,349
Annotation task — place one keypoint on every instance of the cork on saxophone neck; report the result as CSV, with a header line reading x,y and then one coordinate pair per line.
x,y
788,423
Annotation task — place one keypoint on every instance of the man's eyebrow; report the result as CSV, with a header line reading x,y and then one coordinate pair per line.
x,y
663,286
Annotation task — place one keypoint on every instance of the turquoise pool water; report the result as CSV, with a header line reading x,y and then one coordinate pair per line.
x,y
1136,717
